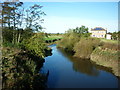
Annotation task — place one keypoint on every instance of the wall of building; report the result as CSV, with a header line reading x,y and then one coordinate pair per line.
x,y
98,34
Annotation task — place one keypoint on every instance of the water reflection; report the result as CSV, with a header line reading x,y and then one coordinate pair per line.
x,y
69,72
81,65
85,66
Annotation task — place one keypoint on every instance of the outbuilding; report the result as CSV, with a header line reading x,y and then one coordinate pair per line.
x,y
108,36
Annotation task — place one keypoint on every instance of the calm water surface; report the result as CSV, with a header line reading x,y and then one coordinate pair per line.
x,y
68,72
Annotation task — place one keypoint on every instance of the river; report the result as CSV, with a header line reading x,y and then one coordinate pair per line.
x,y
66,71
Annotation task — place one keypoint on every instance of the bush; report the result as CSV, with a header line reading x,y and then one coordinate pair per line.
x,y
69,41
85,46
7,34
36,45
20,70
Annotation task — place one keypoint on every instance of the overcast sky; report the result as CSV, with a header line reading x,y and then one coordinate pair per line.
x,y
64,15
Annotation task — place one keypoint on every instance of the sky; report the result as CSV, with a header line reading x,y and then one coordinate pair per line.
x,y
62,16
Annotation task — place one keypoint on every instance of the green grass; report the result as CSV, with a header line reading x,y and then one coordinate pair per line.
x,y
110,41
52,37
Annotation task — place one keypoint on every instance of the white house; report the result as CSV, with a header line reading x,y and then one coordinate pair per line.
x,y
98,32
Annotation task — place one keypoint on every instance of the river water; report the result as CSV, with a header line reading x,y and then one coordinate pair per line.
x,y
68,72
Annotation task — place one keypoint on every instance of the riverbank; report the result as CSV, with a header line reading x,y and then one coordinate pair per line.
x,y
101,52
66,71
107,58
20,69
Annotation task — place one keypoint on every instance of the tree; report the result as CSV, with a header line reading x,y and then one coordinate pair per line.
x,y
34,14
81,30
114,35
11,19
37,46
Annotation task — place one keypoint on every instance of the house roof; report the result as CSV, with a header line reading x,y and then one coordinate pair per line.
x,y
98,28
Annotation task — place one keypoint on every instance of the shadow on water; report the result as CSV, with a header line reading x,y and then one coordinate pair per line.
x,y
83,65
66,71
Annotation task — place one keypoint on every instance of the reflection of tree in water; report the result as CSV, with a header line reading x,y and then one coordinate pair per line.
x,y
79,65
84,66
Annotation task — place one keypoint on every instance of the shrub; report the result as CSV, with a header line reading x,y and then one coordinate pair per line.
x,y
36,45
85,46
69,41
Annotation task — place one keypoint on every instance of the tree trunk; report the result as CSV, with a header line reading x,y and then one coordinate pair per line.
x,y
19,36
13,41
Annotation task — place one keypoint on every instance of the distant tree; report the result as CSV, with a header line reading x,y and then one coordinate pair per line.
x,y
58,33
82,31
114,35
46,34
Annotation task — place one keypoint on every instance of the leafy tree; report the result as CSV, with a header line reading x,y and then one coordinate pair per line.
x,y
81,30
36,44
34,14
114,35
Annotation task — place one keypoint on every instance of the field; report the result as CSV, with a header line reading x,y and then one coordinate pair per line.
x,y
53,37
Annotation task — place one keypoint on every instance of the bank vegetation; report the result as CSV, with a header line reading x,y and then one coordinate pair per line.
x,y
101,51
23,49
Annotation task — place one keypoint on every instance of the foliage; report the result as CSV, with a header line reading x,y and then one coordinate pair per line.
x,y
21,67
7,35
34,14
11,14
85,47
72,36
115,35
19,70
36,44
68,41
108,58
12,17
82,31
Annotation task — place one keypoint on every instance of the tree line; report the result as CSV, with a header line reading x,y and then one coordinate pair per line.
x,y
14,16
23,49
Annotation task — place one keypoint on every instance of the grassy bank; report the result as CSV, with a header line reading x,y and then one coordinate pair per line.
x,y
107,58
101,51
